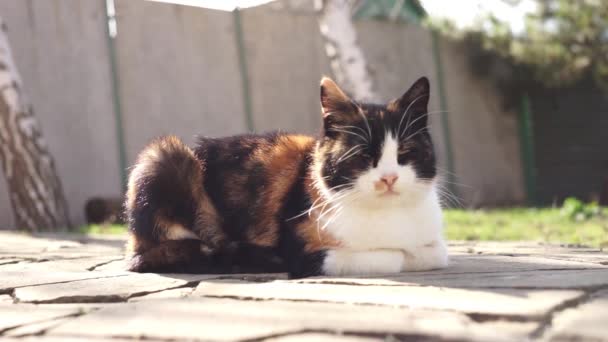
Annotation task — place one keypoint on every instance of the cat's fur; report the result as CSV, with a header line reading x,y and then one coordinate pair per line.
x,y
360,199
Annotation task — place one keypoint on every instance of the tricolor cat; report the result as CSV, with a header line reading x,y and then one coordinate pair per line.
x,y
359,199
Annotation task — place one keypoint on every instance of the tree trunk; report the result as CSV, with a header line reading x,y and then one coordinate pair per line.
x,y
346,58
35,190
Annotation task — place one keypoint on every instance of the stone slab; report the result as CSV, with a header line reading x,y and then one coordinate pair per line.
x,y
327,337
503,302
12,316
70,265
15,279
523,248
36,329
8,261
6,299
230,320
108,289
58,246
542,279
586,322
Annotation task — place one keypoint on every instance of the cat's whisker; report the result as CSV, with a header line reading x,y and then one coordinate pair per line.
x,y
350,132
443,181
369,129
346,155
405,113
453,199
415,133
408,125
324,201
337,212
445,171
345,129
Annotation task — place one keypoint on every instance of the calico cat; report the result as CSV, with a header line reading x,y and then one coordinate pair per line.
x,y
359,199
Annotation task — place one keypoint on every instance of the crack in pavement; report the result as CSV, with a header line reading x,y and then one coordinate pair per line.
x,y
9,290
474,316
387,336
94,267
128,337
548,317
80,312
113,298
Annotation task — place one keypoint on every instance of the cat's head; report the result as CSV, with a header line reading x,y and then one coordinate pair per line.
x,y
375,155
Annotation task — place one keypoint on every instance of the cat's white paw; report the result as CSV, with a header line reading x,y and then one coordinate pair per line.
x,y
427,257
341,262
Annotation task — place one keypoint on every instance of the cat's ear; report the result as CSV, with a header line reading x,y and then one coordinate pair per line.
x,y
336,106
415,100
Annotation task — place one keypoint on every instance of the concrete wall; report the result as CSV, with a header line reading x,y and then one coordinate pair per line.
x,y
179,73
286,60
61,52
404,54
484,136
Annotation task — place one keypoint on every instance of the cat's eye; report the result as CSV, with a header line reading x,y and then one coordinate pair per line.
x,y
407,154
409,151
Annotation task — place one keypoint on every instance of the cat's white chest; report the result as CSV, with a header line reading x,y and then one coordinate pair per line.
x,y
387,241
408,227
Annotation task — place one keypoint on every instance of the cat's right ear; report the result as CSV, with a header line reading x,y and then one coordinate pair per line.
x,y
336,106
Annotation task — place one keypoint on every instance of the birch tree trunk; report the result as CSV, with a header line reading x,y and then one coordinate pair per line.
x,y
35,190
346,58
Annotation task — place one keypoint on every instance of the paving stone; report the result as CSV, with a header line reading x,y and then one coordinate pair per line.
x,y
6,299
53,246
489,290
62,339
12,316
564,279
8,261
174,293
230,320
36,328
15,279
465,264
118,265
503,302
71,265
110,289
586,322
306,337
555,251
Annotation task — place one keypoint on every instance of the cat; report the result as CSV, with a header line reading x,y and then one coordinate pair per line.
x,y
359,199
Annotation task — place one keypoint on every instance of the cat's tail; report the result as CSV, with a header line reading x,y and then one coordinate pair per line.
x,y
165,207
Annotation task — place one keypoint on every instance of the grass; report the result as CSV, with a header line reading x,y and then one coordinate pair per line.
x,y
530,224
108,229
546,224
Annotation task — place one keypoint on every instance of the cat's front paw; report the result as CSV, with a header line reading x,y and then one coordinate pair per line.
x,y
432,256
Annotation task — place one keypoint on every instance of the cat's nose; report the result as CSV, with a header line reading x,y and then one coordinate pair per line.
x,y
389,179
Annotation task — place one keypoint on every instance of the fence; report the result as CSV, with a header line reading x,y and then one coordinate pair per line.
x,y
190,71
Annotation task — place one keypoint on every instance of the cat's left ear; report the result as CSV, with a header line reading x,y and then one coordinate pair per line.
x,y
415,100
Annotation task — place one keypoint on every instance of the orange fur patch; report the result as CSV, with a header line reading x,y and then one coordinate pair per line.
x,y
282,165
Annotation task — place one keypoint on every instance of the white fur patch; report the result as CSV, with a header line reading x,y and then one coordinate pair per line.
x,y
345,262
178,232
411,222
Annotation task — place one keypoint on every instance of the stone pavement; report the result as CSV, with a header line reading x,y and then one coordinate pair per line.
x,y
74,288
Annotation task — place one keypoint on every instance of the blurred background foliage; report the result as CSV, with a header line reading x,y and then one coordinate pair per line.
x,y
563,42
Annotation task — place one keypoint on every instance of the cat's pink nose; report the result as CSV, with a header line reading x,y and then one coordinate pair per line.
x,y
389,179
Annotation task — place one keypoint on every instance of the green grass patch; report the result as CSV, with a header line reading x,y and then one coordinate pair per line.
x,y
538,224
574,223
109,229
